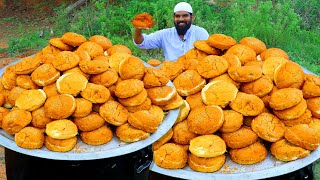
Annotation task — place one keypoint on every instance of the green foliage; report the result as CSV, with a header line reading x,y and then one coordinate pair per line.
x,y
293,26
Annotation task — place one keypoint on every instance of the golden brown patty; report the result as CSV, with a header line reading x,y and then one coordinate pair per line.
x,y
60,106
219,93
314,106
293,112
143,20
148,121
232,121
189,82
104,42
66,60
61,129
170,156
39,118
270,65
92,48
16,120
304,136
212,66
206,164
162,95
83,108
25,82
114,113
244,53
122,90
71,83
247,104
171,69
257,45
241,138
205,120
164,139
245,73
128,133
289,74
259,87
29,138
45,74
90,122
27,65
268,127
249,155
31,99
60,145
181,133
273,52
97,137
107,78
73,39
221,41
283,150
285,98
96,93
311,86
207,146
202,45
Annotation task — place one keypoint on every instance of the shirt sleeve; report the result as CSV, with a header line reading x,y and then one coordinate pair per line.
x,y
151,41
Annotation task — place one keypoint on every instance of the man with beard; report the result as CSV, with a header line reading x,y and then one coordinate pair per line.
x,y
175,41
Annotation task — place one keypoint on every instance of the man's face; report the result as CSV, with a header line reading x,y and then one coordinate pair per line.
x,y
182,21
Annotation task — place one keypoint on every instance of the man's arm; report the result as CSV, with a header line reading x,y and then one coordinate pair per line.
x,y
137,36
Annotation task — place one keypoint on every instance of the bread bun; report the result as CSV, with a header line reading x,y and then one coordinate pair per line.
x,y
232,121
212,66
247,104
206,165
205,120
181,133
221,41
73,39
114,113
283,150
128,133
15,120
189,82
29,138
60,145
241,138
97,137
268,127
207,146
252,154
61,129
254,43
219,93
104,42
303,136
90,122
60,106
170,156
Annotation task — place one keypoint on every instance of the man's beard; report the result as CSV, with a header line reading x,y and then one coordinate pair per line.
x,y
182,30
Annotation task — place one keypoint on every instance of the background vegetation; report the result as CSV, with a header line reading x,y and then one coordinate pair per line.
x,y
293,26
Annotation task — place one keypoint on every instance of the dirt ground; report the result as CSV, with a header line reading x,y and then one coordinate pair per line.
x,y
18,17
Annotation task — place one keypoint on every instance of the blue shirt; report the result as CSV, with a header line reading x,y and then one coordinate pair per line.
x,y
173,46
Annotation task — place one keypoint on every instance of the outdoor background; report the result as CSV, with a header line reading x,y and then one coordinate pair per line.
x,y
294,26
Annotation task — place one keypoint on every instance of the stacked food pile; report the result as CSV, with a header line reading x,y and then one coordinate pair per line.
x,y
87,87
241,100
